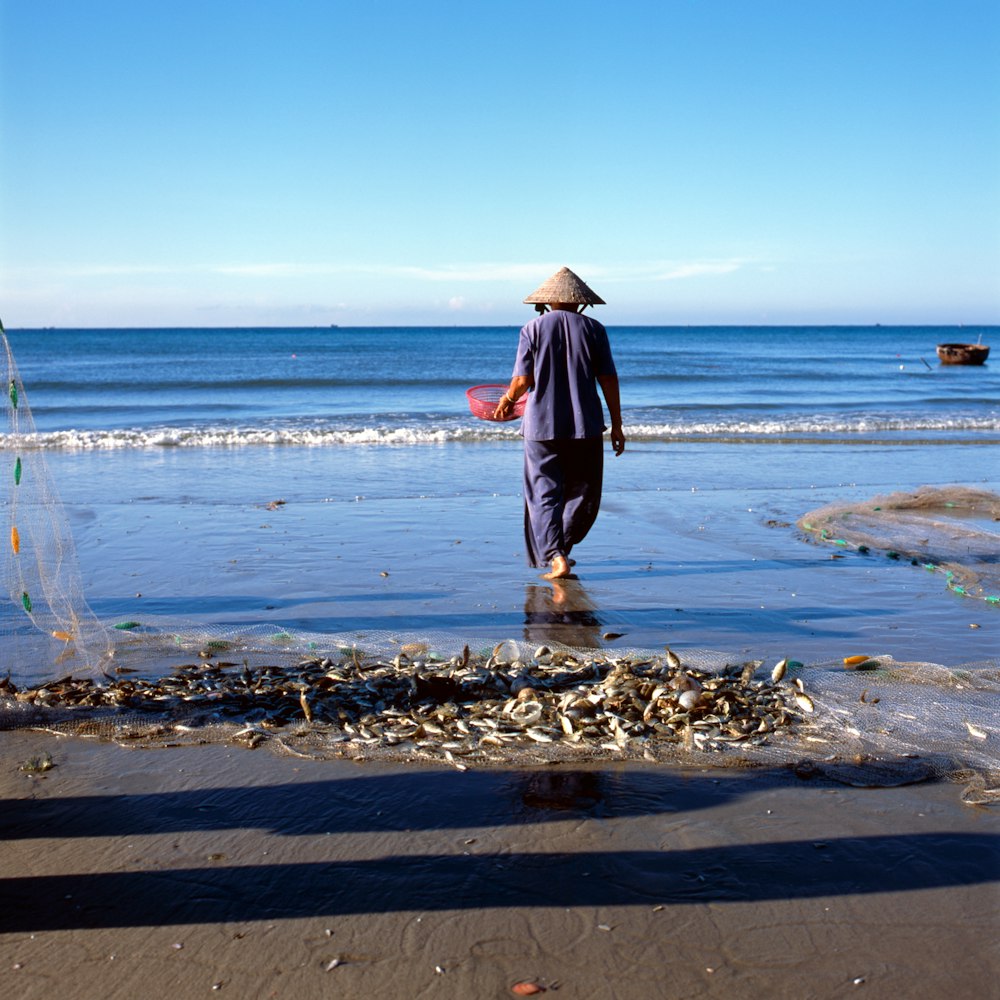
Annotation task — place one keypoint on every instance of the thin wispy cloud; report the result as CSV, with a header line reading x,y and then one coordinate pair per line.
x,y
452,273
447,272
645,271
669,270
94,270
699,270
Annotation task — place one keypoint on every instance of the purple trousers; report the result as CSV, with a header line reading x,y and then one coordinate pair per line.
x,y
562,494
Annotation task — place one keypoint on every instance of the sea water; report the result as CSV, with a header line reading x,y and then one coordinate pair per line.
x,y
205,388
330,480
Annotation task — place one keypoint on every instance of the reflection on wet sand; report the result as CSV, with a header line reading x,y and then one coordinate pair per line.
x,y
562,790
561,612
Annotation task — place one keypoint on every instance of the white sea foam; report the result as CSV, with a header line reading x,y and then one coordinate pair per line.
x,y
416,432
234,437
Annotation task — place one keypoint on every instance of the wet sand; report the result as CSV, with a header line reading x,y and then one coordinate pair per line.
x,y
191,871
695,546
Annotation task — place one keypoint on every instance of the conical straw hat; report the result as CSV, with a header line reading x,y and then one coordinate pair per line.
x,y
565,286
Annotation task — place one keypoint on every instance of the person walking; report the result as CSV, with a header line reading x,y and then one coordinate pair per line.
x,y
562,358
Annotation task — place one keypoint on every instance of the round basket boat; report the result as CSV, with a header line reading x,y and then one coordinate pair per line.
x,y
483,401
962,354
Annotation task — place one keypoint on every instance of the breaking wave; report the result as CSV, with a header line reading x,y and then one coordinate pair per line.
x,y
436,429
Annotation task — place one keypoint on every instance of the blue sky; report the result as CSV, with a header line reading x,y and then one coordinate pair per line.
x,y
221,163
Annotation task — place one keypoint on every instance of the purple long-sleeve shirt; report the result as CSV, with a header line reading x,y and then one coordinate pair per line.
x,y
565,353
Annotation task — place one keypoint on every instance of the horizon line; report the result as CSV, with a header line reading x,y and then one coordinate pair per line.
x,y
515,325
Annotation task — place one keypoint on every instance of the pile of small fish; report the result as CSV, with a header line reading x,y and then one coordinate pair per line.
x,y
467,706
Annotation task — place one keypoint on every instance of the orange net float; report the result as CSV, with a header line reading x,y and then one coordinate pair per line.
x,y
15,539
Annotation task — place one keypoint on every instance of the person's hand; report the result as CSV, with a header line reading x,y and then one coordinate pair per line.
x,y
504,407
617,440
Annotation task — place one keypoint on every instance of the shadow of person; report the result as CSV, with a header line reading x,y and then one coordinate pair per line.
x,y
577,791
561,613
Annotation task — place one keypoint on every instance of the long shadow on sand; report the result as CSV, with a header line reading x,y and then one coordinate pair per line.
x,y
742,873
458,877
403,799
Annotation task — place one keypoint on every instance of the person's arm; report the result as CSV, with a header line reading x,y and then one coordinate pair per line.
x,y
519,385
609,386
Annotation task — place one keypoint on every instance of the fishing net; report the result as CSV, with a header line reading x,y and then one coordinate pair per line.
x,y
40,568
383,695
953,531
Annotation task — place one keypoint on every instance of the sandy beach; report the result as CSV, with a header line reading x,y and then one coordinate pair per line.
x,y
189,871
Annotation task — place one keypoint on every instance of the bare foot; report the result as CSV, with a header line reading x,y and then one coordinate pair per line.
x,y
560,569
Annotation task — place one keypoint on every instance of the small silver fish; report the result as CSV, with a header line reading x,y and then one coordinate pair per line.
x,y
541,736
304,702
526,713
688,699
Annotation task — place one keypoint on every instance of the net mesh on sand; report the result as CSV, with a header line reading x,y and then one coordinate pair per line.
x,y
952,531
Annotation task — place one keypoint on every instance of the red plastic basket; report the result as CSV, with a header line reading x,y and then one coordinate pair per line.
x,y
483,401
